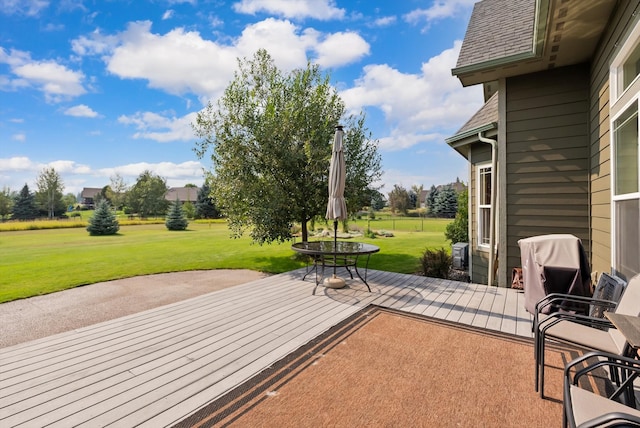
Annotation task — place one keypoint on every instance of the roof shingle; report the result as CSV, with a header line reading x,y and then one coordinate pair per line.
x,y
498,29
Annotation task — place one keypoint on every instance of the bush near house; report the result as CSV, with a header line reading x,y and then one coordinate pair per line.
x,y
436,263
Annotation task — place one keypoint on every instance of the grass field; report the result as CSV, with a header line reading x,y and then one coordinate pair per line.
x,y
34,262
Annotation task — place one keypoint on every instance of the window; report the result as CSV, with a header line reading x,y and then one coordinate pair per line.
x,y
625,158
626,67
629,70
626,195
484,205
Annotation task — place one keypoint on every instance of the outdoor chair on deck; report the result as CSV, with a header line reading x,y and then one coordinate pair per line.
x,y
583,408
585,331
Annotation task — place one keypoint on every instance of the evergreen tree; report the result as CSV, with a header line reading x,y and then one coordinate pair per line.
x,y
431,199
175,218
205,207
458,229
24,207
103,221
446,203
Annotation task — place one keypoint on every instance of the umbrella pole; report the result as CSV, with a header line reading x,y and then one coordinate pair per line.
x,y
335,245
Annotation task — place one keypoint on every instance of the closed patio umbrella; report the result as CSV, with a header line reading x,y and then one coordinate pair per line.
x,y
336,207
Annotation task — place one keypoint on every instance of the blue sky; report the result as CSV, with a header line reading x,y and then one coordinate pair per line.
x,y
93,88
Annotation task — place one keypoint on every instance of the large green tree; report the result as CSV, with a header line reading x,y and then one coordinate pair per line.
x,y
6,202
270,138
49,192
24,206
205,206
147,196
399,199
117,191
446,203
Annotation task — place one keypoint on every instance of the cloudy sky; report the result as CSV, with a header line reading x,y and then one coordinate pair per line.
x,y
98,87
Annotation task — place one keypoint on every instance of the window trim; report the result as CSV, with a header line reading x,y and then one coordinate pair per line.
x,y
481,233
621,101
615,70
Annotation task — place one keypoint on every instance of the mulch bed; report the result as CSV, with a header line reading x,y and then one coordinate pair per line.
x,y
386,368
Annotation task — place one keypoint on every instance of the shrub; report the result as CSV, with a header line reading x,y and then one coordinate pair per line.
x,y
103,221
458,229
435,263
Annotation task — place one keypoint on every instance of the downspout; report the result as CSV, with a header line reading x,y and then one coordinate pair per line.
x,y
492,210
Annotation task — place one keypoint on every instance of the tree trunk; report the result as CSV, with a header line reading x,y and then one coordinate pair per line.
x,y
303,230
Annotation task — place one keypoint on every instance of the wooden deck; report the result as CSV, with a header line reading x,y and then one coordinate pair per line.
x,y
156,367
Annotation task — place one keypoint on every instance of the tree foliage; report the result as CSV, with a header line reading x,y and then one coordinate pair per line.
x,y
24,207
446,203
118,190
49,192
147,196
6,202
458,229
270,139
431,199
176,219
399,200
205,206
103,221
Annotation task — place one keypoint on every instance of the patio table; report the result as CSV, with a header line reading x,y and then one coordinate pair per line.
x,y
336,254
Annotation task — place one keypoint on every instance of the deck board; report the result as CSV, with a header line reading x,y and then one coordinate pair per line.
x,y
156,367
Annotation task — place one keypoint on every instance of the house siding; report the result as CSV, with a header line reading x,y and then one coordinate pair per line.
x,y
547,157
600,160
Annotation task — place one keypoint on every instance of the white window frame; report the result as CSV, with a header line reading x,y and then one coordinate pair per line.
x,y
483,235
621,101
621,57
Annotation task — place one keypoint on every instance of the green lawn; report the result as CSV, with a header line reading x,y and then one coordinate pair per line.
x,y
36,262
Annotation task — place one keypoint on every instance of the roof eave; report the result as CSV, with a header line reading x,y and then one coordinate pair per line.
x,y
537,48
462,138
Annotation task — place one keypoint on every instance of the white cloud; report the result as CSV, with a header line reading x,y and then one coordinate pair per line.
x,y
340,49
56,81
80,110
423,107
154,126
168,14
19,137
440,9
23,7
18,163
385,21
177,174
181,61
293,9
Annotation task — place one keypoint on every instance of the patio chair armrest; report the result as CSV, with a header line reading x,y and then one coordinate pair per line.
x,y
563,298
605,359
555,298
578,318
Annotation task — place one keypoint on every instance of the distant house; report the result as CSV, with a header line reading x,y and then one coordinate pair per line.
x,y
183,194
555,147
88,195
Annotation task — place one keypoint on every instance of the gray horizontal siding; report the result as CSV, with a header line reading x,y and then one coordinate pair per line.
x,y
547,152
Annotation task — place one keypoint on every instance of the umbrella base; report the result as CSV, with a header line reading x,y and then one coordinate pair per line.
x,y
334,282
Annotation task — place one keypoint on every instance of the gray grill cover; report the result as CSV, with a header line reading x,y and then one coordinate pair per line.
x,y
553,264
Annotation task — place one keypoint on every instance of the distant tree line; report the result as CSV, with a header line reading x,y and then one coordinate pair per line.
x,y
440,202
146,198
